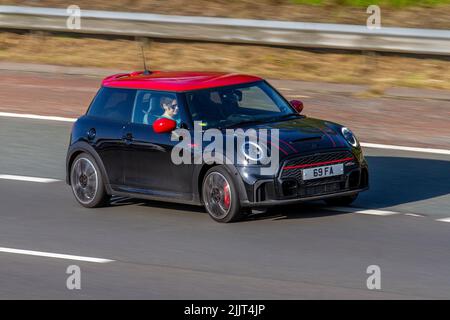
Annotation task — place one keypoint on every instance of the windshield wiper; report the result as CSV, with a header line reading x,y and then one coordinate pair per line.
x,y
246,122
287,116
264,120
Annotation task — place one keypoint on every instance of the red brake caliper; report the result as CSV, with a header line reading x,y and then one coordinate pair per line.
x,y
226,197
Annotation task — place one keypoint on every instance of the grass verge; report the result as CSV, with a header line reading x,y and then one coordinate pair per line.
x,y
377,71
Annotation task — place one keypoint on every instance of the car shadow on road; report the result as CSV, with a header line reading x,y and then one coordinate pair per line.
x,y
393,181
400,180
306,210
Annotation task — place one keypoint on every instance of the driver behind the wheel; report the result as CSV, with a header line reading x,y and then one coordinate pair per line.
x,y
170,107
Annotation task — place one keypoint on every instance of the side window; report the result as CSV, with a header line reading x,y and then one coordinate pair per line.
x,y
151,105
113,104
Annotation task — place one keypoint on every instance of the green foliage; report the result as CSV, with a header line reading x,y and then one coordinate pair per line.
x,y
365,3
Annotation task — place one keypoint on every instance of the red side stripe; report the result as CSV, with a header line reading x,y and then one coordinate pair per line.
x,y
278,147
317,164
273,144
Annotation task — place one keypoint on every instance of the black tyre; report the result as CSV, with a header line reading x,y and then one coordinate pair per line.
x,y
87,182
341,201
220,196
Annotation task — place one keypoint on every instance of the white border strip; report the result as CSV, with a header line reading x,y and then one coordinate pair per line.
x,y
29,179
443,220
54,255
364,144
35,116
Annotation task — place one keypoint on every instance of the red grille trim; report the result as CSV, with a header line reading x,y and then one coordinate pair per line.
x,y
317,163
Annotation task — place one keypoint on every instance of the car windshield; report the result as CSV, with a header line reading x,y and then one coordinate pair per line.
x,y
224,107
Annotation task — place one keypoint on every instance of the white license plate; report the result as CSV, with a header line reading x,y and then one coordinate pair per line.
x,y
322,172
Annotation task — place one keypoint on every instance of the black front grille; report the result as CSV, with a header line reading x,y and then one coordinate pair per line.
x,y
319,189
315,182
296,173
293,185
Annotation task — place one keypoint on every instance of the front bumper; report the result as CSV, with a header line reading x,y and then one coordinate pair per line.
x,y
288,187
275,202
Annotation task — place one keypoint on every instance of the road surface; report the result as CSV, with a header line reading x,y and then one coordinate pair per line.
x,y
172,251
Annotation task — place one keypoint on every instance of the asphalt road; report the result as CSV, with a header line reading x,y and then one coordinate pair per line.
x,y
176,251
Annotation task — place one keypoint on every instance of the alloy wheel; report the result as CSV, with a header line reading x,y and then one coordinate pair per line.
x,y
217,195
84,180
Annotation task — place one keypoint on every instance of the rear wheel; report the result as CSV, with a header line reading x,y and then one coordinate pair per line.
x,y
87,182
341,201
220,196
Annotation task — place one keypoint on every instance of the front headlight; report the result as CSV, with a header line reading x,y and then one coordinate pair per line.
x,y
252,151
350,137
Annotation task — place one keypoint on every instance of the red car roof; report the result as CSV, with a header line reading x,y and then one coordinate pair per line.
x,y
176,81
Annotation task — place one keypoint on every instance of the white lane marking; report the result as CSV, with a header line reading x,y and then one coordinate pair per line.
x,y
364,211
377,212
29,179
414,215
364,144
35,116
298,96
54,255
443,220
403,148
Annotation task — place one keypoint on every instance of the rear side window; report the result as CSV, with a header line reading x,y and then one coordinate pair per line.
x,y
113,104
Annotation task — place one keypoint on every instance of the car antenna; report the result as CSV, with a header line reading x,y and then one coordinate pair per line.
x,y
146,71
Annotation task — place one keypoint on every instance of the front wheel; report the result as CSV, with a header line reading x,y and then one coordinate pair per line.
x,y
87,182
341,201
220,196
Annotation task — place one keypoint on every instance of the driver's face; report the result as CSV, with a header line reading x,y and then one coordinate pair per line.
x,y
171,108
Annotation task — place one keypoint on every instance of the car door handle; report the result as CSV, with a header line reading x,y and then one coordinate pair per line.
x,y
128,137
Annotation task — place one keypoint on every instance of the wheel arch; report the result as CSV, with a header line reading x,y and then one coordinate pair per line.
x,y
83,147
203,169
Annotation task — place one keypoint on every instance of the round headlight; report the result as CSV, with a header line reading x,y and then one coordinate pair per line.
x,y
350,137
252,151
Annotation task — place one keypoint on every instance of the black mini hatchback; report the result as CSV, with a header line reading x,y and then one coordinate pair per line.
x,y
144,134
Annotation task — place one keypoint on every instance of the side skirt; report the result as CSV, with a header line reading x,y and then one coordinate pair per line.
x,y
152,195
